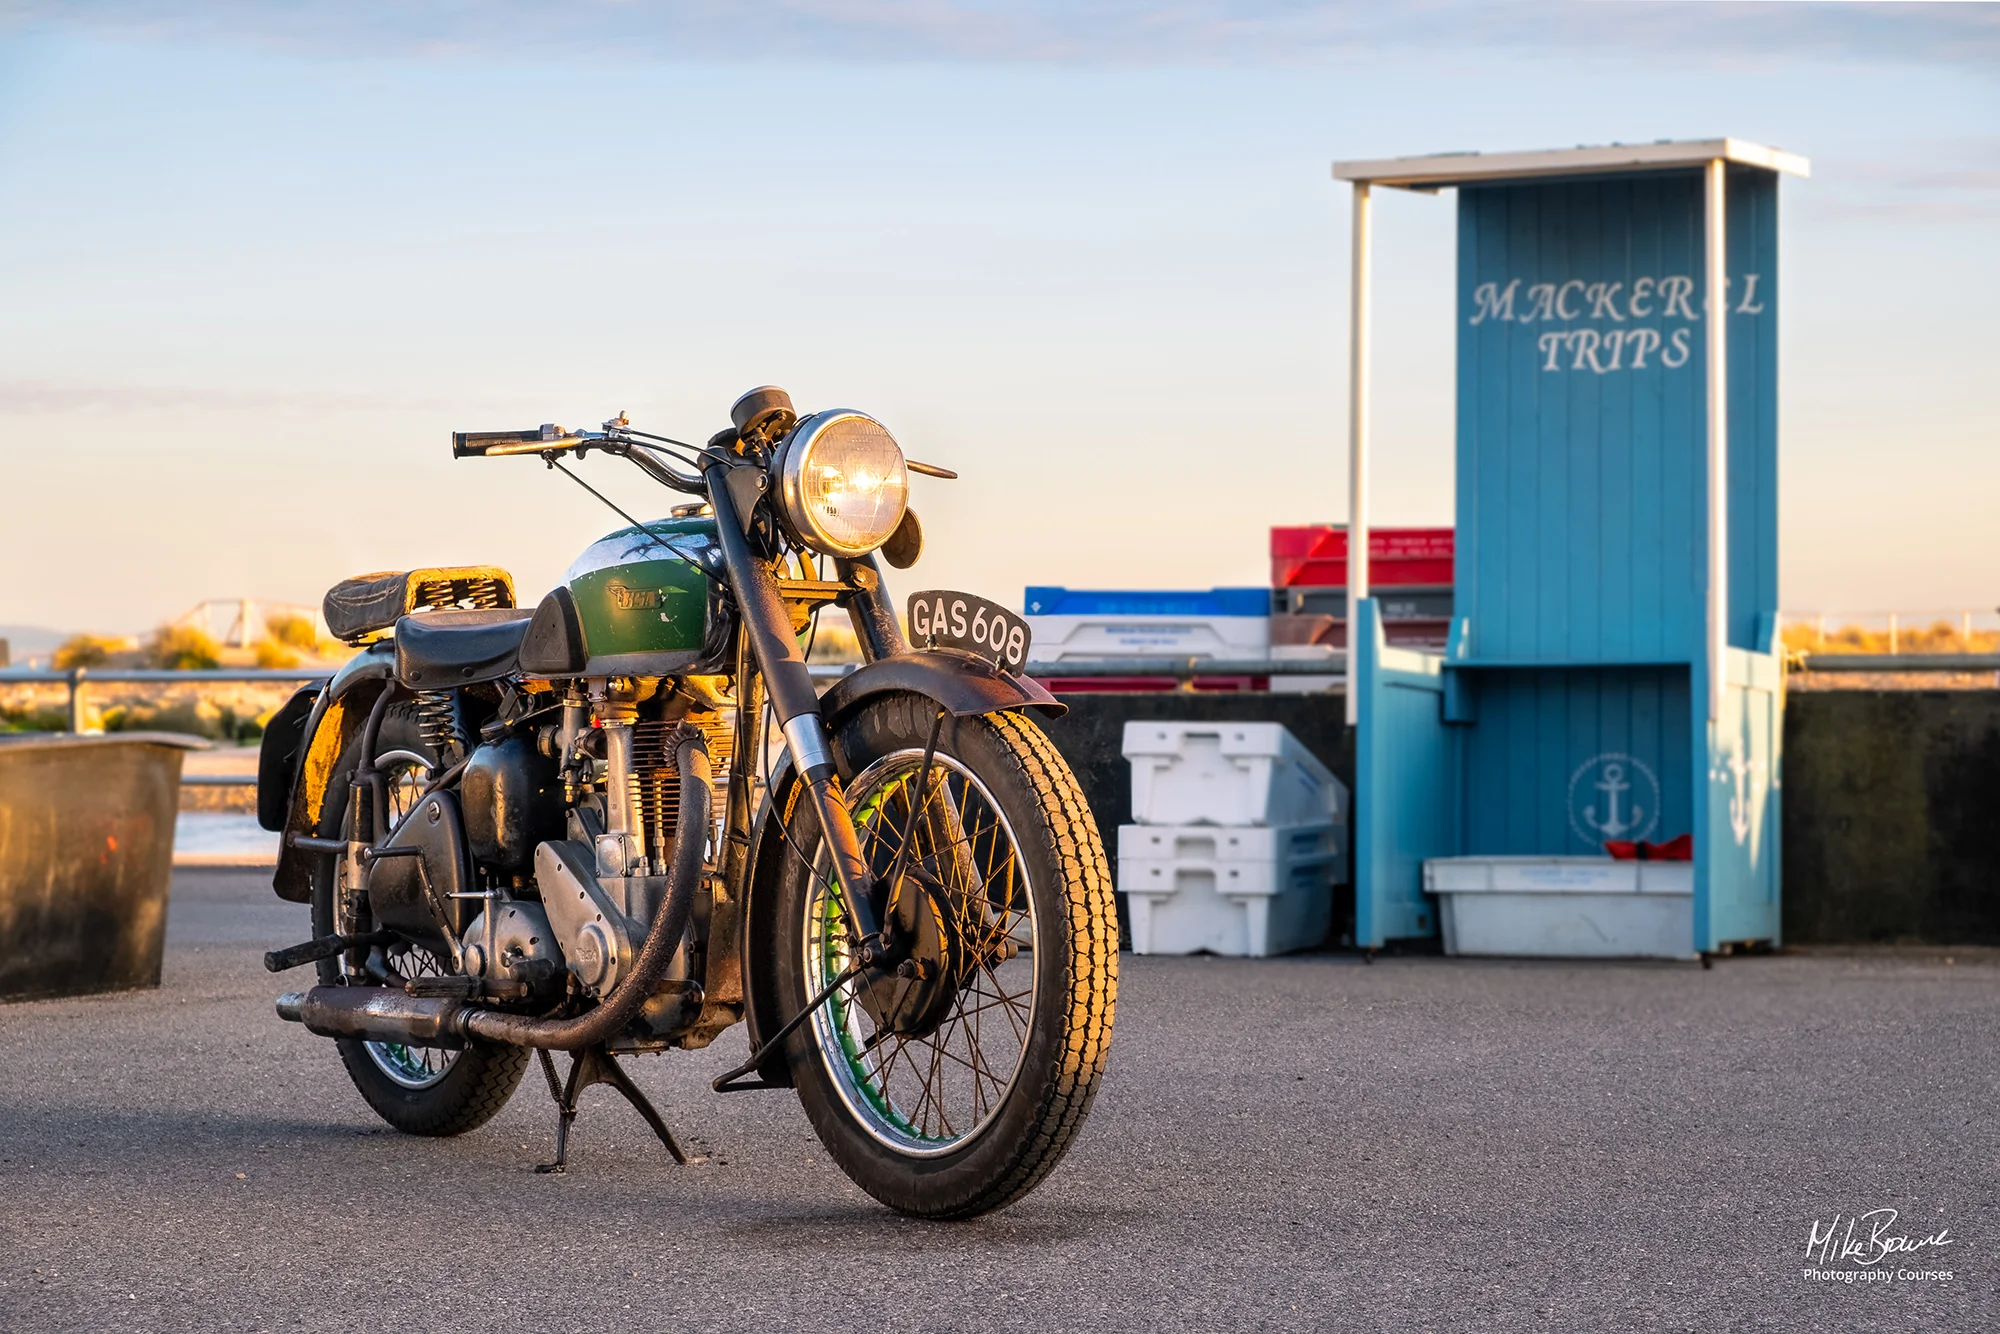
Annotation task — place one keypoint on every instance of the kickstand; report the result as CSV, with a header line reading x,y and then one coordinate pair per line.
x,y
595,1065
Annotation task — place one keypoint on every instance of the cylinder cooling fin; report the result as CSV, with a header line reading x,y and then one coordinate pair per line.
x,y
657,782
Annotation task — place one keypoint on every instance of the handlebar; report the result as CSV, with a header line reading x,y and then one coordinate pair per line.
x,y
492,444
550,440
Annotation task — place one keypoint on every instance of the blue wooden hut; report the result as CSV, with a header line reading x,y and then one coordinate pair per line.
x,y
1613,672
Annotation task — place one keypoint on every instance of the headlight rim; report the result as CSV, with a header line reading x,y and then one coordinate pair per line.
x,y
789,465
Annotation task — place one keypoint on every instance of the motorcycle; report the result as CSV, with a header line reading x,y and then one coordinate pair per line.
x,y
524,832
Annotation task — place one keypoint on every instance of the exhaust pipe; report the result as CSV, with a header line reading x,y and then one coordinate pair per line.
x,y
377,1014
383,1014
594,1027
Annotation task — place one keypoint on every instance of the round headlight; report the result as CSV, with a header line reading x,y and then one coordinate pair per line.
x,y
842,482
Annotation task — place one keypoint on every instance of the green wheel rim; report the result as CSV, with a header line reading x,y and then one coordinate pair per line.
x,y
931,1095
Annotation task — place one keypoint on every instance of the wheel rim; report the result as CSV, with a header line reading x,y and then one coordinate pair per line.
x,y
925,1095
411,1067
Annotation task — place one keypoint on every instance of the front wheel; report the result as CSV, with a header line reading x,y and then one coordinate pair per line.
x,y
953,1082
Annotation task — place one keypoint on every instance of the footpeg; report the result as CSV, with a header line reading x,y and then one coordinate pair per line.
x,y
277,961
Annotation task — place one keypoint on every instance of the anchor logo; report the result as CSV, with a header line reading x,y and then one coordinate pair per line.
x,y
1739,800
1739,772
1613,786
1613,796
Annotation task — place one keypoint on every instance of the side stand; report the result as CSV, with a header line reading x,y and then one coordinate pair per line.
x,y
595,1065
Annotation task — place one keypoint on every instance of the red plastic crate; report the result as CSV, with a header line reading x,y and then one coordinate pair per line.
x,y
1315,556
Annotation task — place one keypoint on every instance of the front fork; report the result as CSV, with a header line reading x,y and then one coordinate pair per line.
x,y
796,704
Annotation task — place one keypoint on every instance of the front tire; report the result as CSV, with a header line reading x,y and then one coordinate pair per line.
x,y
954,1092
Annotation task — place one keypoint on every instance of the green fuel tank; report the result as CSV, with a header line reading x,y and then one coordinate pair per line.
x,y
645,591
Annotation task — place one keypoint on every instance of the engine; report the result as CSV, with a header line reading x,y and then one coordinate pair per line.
x,y
543,871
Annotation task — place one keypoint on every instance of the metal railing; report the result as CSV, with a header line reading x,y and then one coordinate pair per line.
x,y
79,679
1894,662
1897,622
1183,671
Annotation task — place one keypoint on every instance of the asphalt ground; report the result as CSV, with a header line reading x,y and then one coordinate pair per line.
x,y
1302,1143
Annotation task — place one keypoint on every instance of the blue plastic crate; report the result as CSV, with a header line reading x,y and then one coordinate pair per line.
x,y
1052,601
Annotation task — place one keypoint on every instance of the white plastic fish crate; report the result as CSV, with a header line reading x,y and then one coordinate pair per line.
x,y
1114,635
1244,892
1564,907
1073,623
1251,844
1228,774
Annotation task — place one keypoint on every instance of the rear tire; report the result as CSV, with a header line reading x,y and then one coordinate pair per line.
x,y
1005,787
479,1079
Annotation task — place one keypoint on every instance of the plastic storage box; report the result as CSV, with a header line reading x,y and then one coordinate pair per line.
x,y
1211,623
1564,907
1335,677
1228,774
1397,604
1316,555
1243,892
1331,631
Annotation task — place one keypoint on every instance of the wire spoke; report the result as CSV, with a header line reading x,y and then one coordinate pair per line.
x,y
930,1040
923,1089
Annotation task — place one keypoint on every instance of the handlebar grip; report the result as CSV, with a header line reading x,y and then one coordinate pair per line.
x,y
475,444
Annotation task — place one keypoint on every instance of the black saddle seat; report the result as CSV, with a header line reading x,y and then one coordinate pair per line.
x,y
436,650
358,610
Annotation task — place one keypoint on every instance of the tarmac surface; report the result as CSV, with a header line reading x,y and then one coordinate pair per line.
x,y
1302,1143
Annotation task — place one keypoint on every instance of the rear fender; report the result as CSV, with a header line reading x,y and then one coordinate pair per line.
x,y
340,710
278,756
965,684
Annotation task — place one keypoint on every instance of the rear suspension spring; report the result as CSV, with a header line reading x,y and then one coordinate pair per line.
x,y
440,724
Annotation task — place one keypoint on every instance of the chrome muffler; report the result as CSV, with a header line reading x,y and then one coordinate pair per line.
x,y
377,1014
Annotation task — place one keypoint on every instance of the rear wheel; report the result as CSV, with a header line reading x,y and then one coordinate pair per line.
x,y
951,1085
418,1090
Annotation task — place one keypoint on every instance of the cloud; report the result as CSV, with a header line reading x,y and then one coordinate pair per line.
x,y
1109,32
57,398
1945,182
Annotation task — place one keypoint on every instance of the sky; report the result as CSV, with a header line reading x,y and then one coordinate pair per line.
x,y
258,260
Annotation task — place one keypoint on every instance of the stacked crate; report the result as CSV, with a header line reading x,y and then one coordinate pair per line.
x,y
1241,835
1094,624
1409,576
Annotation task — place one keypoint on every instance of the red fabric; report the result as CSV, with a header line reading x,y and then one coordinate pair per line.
x,y
1677,849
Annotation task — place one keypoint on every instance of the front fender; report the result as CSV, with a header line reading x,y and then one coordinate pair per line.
x,y
964,683
340,710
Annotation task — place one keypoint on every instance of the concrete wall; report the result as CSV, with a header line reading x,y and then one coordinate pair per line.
x,y
86,854
1892,816
1891,800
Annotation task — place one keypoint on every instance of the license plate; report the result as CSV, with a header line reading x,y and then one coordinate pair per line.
x,y
942,619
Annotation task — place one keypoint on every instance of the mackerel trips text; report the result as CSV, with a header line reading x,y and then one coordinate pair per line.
x,y
1614,342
